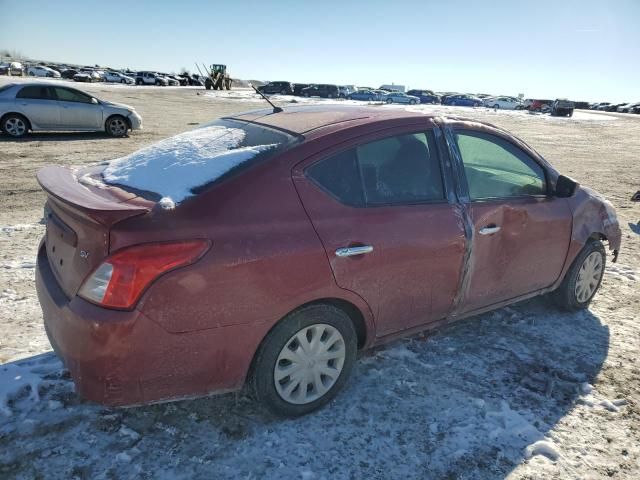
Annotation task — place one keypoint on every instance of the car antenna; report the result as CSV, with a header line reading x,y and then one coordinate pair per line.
x,y
275,109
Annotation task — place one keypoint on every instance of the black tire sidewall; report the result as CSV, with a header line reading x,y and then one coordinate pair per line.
x,y
264,364
108,126
566,293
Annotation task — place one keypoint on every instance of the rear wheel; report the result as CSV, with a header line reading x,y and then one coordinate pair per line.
x,y
389,100
117,126
15,125
583,279
305,360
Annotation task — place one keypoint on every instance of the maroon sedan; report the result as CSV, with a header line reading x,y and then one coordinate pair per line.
x,y
266,249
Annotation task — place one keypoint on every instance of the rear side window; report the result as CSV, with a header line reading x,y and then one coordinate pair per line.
x,y
37,92
402,169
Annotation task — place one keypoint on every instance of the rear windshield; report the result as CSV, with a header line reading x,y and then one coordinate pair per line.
x,y
183,166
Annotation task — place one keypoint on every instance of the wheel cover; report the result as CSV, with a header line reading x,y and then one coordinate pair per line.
x,y
309,364
15,126
589,277
117,126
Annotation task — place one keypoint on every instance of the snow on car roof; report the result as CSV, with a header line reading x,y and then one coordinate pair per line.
x,y
173,167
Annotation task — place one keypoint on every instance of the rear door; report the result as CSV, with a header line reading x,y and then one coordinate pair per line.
x,y
521,233
38,104
379,205
77,110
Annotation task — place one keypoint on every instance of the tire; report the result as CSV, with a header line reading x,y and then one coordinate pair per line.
x,y
283,92
123,81
305,94
329,95
318,322
496,106
15,125
389,100
583,272
412,102
116,126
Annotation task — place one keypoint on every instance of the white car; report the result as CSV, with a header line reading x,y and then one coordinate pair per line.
x,y
41,71
117,77
508,103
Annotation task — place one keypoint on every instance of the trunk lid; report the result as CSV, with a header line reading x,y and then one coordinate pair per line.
x,y
79,218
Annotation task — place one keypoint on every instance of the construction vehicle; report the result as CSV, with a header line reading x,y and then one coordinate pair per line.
x,y
216,77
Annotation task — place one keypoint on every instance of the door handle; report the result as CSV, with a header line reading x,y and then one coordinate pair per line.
x,y
489,229
352,251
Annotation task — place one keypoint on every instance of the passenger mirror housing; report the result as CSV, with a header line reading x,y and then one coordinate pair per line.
x,y
565,187
94,101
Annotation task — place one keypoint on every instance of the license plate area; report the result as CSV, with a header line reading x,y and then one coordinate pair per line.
x,y
61,242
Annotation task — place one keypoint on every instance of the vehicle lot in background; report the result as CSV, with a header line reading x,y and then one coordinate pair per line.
x,y
467,362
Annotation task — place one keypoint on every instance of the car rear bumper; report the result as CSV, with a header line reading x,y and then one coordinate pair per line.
x,y
123,358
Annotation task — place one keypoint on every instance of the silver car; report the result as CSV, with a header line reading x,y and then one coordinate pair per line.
x,y
47,106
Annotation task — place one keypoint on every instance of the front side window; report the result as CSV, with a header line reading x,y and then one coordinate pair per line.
x,y
68,95
402,169
495,168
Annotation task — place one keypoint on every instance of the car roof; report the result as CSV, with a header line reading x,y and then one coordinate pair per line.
x,y
301,120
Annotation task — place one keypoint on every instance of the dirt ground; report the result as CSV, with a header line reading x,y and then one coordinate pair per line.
x,y
591,420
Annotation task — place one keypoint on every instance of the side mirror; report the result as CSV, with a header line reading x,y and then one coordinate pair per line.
x,y
565,187
94,101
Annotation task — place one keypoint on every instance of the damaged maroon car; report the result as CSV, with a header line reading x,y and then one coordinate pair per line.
x,y
266,249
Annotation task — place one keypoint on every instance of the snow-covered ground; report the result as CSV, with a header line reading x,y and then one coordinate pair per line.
x,y
526,392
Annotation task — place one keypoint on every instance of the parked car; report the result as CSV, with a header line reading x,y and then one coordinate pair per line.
x,y
117,77
43,106
151,78
83,77
507,103
183,82
282,88
298,87
4,69
462,100
42,71
16,69
69,73
537,105
321,90
603,106
562,107
425,96
346,90
626,107
399,97
635,109
366,95
150,299
613,107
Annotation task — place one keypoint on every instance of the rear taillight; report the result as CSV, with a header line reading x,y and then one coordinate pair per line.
x,y
121,278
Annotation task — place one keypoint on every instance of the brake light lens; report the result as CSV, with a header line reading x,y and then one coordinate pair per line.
x,y
121,278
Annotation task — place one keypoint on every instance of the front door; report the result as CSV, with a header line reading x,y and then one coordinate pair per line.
x,y
380,210
521,234
77,110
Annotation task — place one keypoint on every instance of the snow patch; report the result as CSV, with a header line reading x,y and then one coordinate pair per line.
x,y
15,378
544,448
173,167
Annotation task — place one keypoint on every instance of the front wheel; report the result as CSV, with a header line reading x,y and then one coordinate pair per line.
x,y
117,126
305,360
583,279
389,100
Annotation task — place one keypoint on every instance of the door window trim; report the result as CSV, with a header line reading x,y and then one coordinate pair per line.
x,y
443,160
461,177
